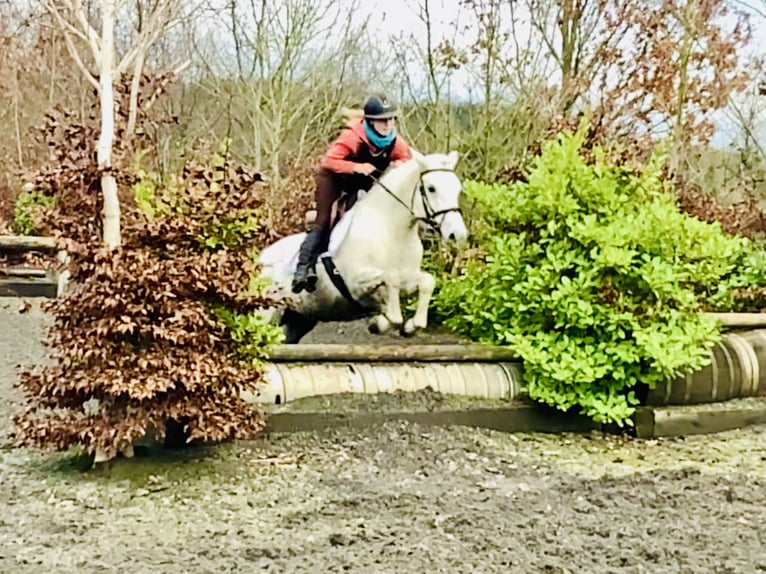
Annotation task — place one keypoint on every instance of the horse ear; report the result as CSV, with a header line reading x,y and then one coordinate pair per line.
x,y
453,158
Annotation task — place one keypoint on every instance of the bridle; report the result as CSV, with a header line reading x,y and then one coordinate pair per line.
x,y
430,213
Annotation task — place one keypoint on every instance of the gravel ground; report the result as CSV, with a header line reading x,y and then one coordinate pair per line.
x,y
394,498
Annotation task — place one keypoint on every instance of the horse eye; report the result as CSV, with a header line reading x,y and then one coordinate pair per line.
x,y
431,189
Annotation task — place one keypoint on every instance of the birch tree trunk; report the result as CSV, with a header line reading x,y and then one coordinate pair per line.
x,y
111,209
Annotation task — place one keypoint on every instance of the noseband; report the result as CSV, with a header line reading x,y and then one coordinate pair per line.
x,y
430,213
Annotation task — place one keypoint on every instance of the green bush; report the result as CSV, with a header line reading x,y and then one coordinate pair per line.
x,y
592,274
743,290
27,204
251,333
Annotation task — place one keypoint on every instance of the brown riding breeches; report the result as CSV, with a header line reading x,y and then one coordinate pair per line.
x,y
330,186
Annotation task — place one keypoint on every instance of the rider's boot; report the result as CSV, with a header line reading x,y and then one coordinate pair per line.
x,y
305,277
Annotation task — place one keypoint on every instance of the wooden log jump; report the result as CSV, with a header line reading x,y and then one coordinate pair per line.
x,y
32,282
740,320
737,370
318,353
11,243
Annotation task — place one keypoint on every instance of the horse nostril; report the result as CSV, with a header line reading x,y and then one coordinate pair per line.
x,y
452,237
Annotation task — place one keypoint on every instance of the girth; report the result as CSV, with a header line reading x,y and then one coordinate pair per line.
x,y
340,284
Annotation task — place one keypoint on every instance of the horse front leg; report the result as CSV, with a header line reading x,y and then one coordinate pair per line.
x,y
376,285
426,284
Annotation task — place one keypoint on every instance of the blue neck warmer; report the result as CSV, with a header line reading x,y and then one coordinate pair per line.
x,y
378,140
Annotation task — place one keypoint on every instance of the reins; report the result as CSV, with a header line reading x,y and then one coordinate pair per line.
x,y
430,213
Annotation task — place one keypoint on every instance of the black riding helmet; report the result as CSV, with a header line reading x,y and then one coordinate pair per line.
x,y
379,107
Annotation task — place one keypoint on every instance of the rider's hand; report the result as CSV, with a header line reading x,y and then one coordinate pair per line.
x,y
364,168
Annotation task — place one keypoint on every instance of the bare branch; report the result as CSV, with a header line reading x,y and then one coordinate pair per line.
x,y
158,23
67,26
72,49
76,9
751,6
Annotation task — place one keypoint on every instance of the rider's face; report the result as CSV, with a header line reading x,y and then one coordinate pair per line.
x,y
383,127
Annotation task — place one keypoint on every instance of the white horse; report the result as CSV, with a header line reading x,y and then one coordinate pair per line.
x,y
375,251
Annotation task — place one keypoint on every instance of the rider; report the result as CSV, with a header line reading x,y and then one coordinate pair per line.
x,y
367,145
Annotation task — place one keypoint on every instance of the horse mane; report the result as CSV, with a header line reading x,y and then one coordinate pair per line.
x,y
351,115
385,177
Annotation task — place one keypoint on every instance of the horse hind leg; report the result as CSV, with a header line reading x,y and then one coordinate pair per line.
x,y
378,324
389,300
390,305
295,326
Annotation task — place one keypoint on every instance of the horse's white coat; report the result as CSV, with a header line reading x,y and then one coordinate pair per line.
x,y
377,248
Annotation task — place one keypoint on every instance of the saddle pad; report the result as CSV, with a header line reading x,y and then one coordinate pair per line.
x,y
339,232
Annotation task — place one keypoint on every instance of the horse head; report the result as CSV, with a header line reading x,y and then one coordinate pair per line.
x,y
439,192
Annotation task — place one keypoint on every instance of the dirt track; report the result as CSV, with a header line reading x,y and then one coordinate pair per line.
x,y
391,499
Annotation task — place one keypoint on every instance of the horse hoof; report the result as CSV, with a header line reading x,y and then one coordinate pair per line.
x,y
408,329
378,325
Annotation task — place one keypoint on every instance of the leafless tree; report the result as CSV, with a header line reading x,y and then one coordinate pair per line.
x,y
282,77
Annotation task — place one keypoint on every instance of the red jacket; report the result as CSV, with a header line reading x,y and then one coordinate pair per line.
x,y
347,150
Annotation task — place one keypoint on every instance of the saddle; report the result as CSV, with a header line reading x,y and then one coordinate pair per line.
x,y
339,208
